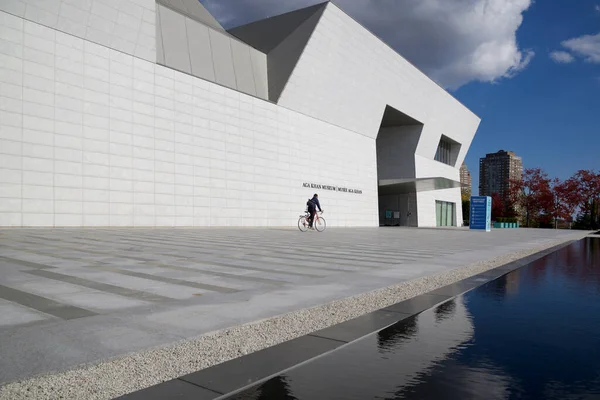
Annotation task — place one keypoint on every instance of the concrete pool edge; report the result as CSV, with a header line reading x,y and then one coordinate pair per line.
x,y
139,370
236,375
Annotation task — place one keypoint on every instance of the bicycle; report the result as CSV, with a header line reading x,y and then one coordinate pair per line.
x,y
319,222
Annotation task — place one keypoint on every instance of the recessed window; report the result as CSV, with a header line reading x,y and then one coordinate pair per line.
x,y
443,152
447,151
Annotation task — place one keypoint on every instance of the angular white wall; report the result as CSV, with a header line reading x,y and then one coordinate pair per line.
x,y
396,151
347,76
282,39
91,136
124,25
190,46
426,205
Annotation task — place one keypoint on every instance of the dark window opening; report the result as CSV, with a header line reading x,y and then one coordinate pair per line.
x,y
447,151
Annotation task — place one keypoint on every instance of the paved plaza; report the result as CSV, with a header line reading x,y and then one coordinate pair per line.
x,y
72,296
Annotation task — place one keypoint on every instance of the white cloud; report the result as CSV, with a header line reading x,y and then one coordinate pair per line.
x,y
453,41
597,8
586,46
562,57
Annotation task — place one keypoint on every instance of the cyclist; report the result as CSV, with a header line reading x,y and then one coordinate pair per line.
x,y
312,209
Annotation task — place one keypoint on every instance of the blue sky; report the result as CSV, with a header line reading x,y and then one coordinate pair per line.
x,y
530,69
549,113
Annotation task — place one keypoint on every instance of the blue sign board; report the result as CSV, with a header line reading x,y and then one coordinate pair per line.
x,y
481,213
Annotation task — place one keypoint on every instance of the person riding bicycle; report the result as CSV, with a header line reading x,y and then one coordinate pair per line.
x,y
312,208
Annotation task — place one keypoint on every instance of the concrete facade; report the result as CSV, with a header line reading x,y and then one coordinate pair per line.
x,y
109,118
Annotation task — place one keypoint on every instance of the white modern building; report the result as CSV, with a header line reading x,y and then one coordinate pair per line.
x,y
149,113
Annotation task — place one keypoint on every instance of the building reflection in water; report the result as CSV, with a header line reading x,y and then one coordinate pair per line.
x,y
275,388
512,283
445,310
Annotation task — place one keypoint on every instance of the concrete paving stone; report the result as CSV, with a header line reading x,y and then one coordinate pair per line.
x,y
183,320
174,281
98,286
325,257
24,263
237,284
249,276
113,340
321,264
159,288
14,314
40,287
40,350
43,304
346,253
100,302
122,261
416,269
307,264
280,269
232,268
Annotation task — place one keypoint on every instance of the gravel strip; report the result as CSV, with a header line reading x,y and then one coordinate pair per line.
x,y
132,372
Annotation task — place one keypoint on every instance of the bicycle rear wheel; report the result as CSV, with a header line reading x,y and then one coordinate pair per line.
x,y
320,224
303,224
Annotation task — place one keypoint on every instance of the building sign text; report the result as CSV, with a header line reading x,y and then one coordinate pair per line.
x,y
330,187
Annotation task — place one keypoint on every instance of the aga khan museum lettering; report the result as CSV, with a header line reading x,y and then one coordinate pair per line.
x,y
329,187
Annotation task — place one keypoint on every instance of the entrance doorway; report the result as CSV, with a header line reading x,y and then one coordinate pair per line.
x,y
396,144
398,210
445,213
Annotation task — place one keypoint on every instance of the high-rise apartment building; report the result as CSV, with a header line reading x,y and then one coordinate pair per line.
x,y
465,179
496,170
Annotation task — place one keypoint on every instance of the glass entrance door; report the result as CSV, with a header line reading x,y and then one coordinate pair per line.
x,y
445,213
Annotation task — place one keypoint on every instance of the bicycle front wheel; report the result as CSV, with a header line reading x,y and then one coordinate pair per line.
x,y
302,224
320,224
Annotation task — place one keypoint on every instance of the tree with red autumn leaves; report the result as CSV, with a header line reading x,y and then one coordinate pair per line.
x,y
563,208
582,193
542,201
497,206
532,197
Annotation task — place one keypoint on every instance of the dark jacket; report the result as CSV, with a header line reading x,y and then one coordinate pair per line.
x,y
315,203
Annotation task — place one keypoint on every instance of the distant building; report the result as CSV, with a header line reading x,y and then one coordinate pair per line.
x,y
496,170
465,180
